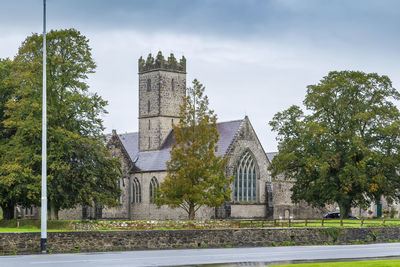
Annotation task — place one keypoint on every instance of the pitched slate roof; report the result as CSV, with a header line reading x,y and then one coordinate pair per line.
x,y
271,155
155,160
130,141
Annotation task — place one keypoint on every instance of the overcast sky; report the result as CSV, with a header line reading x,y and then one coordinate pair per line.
x,y
255,57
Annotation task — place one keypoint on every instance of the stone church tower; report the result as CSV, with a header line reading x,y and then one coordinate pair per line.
x,y
162,84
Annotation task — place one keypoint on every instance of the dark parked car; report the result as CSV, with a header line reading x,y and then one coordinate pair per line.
x,y
336,215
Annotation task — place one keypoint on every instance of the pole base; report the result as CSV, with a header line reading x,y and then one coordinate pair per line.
x,y
43,245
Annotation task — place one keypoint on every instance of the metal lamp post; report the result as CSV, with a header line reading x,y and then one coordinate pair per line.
x,y
43,237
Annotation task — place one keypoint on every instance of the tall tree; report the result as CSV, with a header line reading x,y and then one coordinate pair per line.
x,y
196,176
80,168
346,150
6,91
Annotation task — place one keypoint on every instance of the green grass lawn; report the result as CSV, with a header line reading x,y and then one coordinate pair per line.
x,y
19,230
111,225
29,230
346,223
378,263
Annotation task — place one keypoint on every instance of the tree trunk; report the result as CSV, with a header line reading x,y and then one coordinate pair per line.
x,y
53,214
192,212
8,212
344,210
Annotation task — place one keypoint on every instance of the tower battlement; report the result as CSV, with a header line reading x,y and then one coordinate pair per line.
x,y
160,63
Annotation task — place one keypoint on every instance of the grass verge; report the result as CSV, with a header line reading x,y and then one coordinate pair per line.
x,y
374,263
109,225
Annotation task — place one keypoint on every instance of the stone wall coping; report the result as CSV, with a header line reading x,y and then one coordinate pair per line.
x,y
200,230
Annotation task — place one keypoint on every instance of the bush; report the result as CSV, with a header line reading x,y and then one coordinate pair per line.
x,y
393,211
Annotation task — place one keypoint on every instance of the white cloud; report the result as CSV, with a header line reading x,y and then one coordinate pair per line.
x,y
254,78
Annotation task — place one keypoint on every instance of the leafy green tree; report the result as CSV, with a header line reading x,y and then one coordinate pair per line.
x,y
80,168
196,176
345,148
6,91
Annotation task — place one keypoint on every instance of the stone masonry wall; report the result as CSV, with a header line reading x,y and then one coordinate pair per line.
x,y
146,210
129,240
248,211
284,207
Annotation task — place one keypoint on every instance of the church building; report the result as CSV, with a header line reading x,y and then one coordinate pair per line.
x,y
143,155
162,84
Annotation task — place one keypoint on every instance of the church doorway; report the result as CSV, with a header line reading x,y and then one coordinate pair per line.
x,y
287,214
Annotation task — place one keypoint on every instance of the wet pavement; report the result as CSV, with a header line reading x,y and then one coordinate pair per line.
x,y
259,256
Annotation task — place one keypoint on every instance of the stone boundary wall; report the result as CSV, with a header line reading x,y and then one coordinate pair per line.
x,y
89,241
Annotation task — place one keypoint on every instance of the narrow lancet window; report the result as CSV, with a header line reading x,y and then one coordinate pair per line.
x,y
153,187
136,191
119,186
148,85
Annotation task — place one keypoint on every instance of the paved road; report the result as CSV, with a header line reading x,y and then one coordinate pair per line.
x,y
203,256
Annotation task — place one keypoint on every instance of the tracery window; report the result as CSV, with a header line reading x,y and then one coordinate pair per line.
x,y
136,191
153,187
245,179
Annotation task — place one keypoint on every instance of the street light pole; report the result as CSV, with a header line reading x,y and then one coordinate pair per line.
x,y
43,236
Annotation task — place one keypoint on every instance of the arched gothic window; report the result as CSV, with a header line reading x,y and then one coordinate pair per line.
x,y
245,179
173,84
148,85
153,187
136,191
